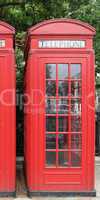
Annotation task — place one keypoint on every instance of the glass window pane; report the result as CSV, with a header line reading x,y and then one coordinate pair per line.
x,y
50,159
76,141
63,141
62,71
50,141
75,124
76,158
63,159
76,88
51,106
51,88
63,124
50,71
76,106
63,88
63,106
50,124
75,71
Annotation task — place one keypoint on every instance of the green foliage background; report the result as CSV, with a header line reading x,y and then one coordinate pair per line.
x,y
24,13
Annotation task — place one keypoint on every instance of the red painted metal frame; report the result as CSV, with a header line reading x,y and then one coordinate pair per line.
x,y
47,180
7,112
40,178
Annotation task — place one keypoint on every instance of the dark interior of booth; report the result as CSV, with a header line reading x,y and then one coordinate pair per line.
x,y
20,183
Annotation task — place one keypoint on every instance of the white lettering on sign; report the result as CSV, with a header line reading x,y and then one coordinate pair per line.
x,y
61,44
2,43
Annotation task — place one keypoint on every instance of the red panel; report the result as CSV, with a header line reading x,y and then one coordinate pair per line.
x,y
62,27
6,28
7,114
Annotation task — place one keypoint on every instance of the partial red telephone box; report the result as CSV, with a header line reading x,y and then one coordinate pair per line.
x,y
7,111
59,108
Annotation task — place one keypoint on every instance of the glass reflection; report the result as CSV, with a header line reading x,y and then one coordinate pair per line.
x,y
63,124
50,71
75,71
63,141
50,141
50,158
63,106
50,88
76,106
50,124
76,158
63,88
63,159
62,71
76,88
75,124
51,106
76,141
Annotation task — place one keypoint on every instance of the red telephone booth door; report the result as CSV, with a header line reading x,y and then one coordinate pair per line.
x,y
62,133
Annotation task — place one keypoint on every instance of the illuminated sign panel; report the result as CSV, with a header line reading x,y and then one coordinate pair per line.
x,y
61,44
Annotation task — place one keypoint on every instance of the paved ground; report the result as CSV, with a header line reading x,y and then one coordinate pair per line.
x,y
22,195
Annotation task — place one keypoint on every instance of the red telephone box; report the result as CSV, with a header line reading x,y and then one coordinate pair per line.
x,y
59,108
7,111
